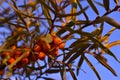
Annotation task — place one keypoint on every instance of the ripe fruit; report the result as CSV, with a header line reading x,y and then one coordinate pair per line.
x,y
27,53
41,55
13,47
37,48
5,54
25,61
11,60
17,52
62,45
57,41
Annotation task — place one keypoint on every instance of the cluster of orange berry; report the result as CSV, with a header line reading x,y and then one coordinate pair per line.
x,y
43,48
15,53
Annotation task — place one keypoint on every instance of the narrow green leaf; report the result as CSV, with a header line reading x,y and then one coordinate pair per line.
x,y
79,64
62,30
99,44
80,52
73,14
93,6
71,72
92,67
109,20
106,4
105,64
79,41
94,40
112,22
71,52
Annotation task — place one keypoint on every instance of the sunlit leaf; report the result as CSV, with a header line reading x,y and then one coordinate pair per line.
x,y
93,6
74,10
116,1
106,36
112,44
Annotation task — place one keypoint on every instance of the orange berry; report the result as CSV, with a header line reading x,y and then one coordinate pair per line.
x,y
37,48
16,56
62,45
41,55
18,52
13,47
27,53
57,41
11,60
25,61
5,54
